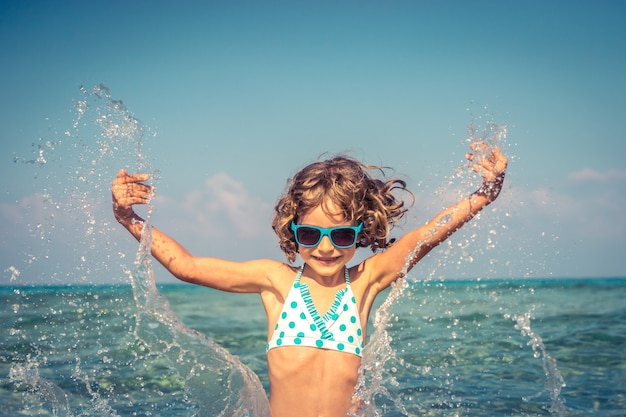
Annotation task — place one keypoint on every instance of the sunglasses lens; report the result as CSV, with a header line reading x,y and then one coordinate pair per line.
x,y
343,237
308,236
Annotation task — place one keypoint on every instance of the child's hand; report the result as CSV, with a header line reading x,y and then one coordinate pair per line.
x,y
491,165
127,190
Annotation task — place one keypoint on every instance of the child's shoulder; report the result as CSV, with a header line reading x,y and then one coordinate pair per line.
x,y
273,270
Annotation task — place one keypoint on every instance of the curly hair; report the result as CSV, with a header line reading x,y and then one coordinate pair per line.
x,y
349,185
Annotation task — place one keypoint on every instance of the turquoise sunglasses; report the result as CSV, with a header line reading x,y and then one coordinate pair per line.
x,y
341,237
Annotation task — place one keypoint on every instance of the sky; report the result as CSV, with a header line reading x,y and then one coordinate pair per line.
x,y
236,96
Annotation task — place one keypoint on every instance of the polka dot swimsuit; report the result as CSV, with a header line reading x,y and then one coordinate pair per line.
x,y
300,324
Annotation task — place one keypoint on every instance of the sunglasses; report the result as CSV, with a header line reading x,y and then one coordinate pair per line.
x,y
341,237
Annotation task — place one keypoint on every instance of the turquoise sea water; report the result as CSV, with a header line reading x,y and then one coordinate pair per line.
x,y
460,348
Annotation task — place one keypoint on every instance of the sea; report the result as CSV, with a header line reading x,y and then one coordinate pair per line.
x,y
446,348
437,347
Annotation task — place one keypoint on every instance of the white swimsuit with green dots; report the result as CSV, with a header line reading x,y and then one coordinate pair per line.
x,y
300,324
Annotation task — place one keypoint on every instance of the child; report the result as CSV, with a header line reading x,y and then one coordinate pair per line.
x,y
317,313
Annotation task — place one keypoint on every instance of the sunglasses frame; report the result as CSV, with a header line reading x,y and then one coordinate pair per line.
x,y
326,232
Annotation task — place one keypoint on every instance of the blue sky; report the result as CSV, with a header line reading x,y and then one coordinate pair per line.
x,y
239,95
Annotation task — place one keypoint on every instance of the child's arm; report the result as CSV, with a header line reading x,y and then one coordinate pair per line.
x,y
128,190
422,240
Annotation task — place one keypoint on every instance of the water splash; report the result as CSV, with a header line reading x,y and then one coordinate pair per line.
x,y
381,390
28,375
15,273
374,375
165,356
489,135
73,169
217,382
554,379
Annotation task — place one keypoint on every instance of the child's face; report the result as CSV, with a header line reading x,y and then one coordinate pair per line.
x,y
325,258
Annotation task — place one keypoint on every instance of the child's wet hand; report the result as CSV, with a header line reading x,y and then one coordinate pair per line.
x,y
490,163
128,190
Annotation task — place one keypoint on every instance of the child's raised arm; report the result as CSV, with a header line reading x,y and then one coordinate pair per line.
x,y
491,166
128,190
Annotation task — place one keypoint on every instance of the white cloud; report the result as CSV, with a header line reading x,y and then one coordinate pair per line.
x,y
590,215
591,175
222,208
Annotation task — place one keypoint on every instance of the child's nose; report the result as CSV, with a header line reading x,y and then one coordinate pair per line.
x,y
325,244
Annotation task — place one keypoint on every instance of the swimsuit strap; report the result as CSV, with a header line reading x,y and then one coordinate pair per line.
x,y
297,281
